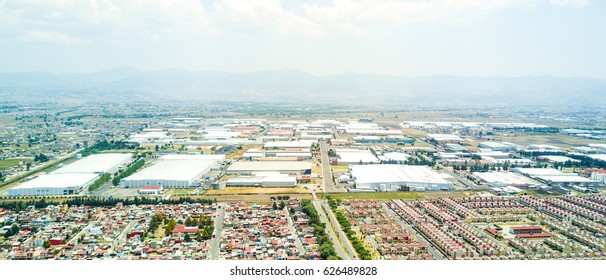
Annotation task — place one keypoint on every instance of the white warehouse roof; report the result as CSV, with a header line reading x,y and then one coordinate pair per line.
x,y
97,163
62,180
178,170
192,157
373,175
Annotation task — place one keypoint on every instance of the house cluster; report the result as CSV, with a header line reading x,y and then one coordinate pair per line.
x,y
257,232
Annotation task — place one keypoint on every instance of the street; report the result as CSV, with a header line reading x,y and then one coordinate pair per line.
x,y
216,241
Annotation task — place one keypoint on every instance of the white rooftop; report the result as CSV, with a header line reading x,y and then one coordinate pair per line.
x,y
173,170
395,173
61,180
97,163
192,157
505,177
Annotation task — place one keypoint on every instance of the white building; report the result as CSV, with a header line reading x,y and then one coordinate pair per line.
x,y
283,167
170,174
54,185
389,177
348,156
97,163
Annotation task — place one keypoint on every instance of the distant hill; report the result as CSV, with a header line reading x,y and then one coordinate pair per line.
x,y
292,86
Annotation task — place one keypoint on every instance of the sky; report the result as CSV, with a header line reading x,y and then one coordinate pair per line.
x,y
324,37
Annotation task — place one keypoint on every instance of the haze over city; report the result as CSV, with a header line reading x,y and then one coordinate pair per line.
x,y
561,38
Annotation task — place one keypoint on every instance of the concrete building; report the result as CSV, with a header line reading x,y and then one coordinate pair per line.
x,y
350,156
97,163
170,174
504,179
60,184
390,177
283,167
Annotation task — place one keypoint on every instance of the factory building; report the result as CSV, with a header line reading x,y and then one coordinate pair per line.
x,y
60,184
170,174
391,177
97,163
349,156
270,180
283,167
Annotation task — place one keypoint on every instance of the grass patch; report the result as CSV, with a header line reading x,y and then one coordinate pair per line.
x,y
340,167
247,190
10,162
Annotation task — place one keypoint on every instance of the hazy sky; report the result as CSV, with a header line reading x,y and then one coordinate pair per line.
x,y
408,37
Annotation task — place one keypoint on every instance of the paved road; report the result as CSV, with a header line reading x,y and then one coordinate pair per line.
x,y
74,239
293,231
435,254
340,233
329,229
216,241
122,237
327,180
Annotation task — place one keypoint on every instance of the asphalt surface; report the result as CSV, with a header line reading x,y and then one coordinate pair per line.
x,y
293,231
327,179
435,254
216,241
329,229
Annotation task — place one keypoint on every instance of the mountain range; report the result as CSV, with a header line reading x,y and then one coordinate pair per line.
x,y
293,86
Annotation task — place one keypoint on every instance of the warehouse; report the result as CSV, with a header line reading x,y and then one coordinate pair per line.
x,y
192,157
265,181
390,177
289,144
554,177
348,156
283,167
54,185
98,163
498,146
504,179
445,138
170,174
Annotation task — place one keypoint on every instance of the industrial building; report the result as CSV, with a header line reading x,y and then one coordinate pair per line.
x,y
445,138
554,177
269,180
391,177
283,167
170,174
54,185
97,163
504,179
498,146
192,157
289,144
349,156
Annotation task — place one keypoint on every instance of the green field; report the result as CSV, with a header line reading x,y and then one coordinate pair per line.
x,y
9,163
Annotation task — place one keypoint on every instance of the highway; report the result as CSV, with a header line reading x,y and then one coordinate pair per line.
x,y
216,241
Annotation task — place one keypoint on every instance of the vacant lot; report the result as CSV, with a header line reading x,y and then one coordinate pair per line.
x,y
375,195
9,163
414,132
561,140
256,198
236,190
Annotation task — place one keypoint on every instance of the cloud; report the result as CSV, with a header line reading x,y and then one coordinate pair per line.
x,y
156,20
53,37
572,3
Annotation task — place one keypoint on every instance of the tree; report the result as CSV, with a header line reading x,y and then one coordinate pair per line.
x,y
187,238
47,244
274,206
282,205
